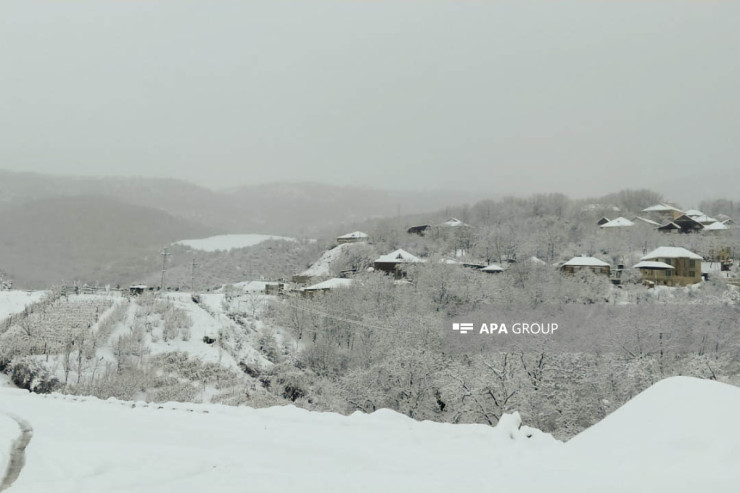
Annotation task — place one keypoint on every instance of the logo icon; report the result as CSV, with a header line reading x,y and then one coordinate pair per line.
x,y
462,328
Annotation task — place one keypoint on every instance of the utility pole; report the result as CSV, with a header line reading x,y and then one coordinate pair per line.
x,y
164,255
192,276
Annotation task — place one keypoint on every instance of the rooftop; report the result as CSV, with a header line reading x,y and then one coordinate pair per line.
x,y
398,256
661,208
353,236
335,282
586,262
620,222
671,252
652,264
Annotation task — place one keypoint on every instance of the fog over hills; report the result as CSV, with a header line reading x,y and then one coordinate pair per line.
x,y
295,209
88,238
112,229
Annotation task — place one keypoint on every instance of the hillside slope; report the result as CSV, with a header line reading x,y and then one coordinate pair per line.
x,y
86,238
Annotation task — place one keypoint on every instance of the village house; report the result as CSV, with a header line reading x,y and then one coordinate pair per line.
x,y
665,212
670,266
454,222
493,269
391,262
577,264
325,286
138,289
688,224
354,237
418,230
620,222
670,227
715,227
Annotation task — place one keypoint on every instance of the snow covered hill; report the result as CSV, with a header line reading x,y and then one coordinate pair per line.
x,y
680,435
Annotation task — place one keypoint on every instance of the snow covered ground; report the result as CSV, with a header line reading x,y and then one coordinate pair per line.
x,y
229,242
15,301
680,435
9,432
322,267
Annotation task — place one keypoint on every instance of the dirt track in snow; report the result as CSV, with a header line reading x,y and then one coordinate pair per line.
x,y
17,453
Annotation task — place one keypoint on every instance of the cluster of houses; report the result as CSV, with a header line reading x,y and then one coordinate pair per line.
x,y
664,266
667,218
667,266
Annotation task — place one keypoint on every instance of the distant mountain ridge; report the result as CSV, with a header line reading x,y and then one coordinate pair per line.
x,y
111,230
85,238
291,209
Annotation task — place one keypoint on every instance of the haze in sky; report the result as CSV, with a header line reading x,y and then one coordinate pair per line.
x,y
513,97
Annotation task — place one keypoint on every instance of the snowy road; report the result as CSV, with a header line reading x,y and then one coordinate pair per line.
x,y
17,457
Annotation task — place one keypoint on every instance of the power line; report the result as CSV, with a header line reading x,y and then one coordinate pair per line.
x,y
347,320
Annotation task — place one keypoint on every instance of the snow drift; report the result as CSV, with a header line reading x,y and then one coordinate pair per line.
x,y
681,434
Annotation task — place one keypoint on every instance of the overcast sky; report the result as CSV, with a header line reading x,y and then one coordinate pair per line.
x,y
517,97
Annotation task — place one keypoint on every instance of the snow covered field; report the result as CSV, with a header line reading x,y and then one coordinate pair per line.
x,y
15,301
229,242
680,435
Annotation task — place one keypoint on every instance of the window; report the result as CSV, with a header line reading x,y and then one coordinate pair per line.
x,y
692,273
667,273
692,263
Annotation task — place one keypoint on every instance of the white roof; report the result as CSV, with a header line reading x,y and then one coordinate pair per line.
x,y
694,212
704,219
586,262
648,221
335,282
453,222
353,236
537,261
717,226
671,252
620,222
448,261
493,268
651,264
660,208
398,256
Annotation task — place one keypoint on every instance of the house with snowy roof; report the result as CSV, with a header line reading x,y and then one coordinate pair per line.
x,y
663,211
325,286
620,222
492,269
578,264
670,266
682,224
454,222
354,237
391,262
715,227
